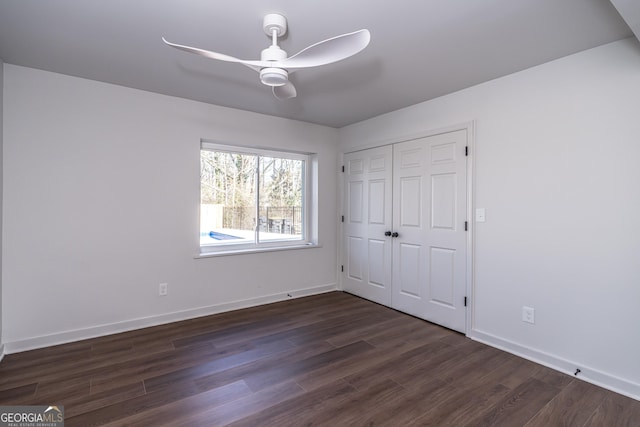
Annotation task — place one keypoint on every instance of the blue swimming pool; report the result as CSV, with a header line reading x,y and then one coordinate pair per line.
x,y
219,236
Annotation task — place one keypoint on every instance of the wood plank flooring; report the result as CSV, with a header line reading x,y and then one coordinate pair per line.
x,y
331,359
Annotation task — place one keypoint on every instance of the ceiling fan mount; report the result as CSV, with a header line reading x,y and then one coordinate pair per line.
x,y
275,66
274,22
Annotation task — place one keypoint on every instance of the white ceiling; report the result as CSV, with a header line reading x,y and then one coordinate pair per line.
x,y
420,49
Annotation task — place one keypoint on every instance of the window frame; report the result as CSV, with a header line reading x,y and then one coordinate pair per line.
x,y
308,213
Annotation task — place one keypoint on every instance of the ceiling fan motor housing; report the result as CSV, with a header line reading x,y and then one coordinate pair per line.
x,y
273,53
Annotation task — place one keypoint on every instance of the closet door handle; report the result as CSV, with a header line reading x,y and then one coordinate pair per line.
x,y
395,234
387,233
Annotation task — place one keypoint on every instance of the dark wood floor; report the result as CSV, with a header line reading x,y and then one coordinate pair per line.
x,y
332,359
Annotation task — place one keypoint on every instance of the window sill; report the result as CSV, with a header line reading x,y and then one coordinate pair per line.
x,y
256,250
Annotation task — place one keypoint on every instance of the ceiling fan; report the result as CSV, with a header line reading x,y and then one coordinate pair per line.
x,y
274,66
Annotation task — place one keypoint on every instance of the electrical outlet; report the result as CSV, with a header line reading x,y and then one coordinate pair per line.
x,y
528,314
163,289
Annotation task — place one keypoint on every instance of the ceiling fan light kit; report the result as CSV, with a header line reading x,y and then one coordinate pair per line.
x,y
274,76
274,65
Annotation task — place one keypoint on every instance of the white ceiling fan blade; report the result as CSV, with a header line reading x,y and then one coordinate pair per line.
x,y
287,91
256,65
329,51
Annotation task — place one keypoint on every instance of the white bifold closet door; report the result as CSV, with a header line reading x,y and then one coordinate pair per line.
x,y
405,239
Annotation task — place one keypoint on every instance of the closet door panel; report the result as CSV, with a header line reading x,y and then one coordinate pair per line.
x,y
446,258
409,209
429,200
368,176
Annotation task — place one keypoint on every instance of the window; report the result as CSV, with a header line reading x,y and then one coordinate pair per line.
x,y
252,198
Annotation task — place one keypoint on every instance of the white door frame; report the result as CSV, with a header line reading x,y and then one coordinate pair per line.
x,y
470,169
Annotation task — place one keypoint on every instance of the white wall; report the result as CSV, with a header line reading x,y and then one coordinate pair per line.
x,y
556,167
101,204
1,187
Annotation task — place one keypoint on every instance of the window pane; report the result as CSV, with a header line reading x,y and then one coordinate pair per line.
x,y
281,205
251,198
227,197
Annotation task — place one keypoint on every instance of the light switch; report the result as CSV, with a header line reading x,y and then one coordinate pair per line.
x,y
480,215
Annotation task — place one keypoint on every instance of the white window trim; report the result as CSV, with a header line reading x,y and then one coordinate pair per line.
x,y
212,254
309,194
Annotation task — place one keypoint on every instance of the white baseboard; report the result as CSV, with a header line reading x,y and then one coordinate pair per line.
x,y
590,375
129,325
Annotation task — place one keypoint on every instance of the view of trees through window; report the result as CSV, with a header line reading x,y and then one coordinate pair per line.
x,y
252,197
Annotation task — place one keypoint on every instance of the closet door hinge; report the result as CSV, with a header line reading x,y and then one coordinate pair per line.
x,y
466,226
342,168
466,153
342,268
342,218
465,301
